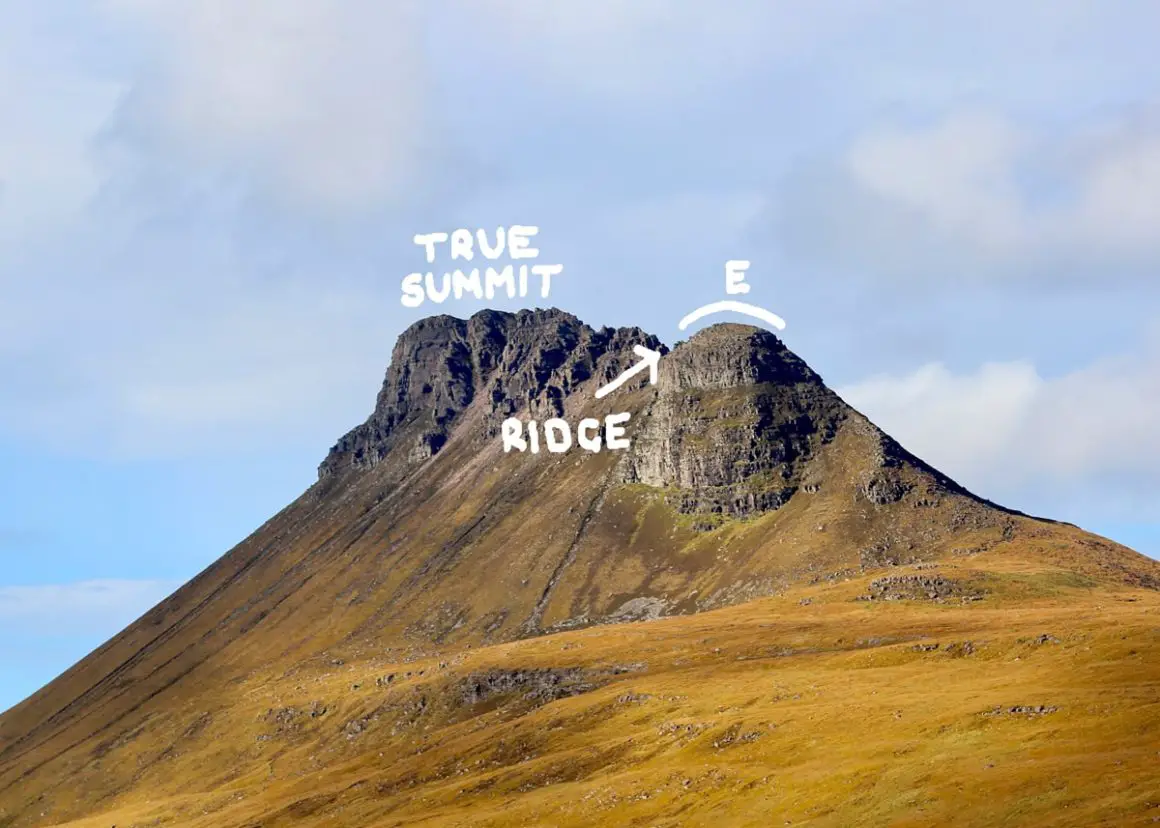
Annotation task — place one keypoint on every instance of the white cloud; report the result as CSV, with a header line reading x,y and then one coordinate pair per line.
x,y
964,424
81,607
50,109
1120,204
975,196
956,175
185,367
295,362
158,296
325,99
1006,431
658,49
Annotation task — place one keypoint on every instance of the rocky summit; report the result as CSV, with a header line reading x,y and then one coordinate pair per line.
x,y
441,632
530,361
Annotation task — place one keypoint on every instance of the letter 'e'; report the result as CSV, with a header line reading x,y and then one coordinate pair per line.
x,y
615,438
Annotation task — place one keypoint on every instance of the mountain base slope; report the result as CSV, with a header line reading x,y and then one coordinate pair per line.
x,y
983,689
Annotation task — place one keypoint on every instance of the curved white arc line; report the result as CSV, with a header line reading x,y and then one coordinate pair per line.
x,y
738,307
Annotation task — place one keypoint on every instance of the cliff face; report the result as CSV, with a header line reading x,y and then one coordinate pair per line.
x,y
736,422
731,429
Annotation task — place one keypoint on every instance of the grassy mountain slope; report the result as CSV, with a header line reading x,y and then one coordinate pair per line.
x,y
437,630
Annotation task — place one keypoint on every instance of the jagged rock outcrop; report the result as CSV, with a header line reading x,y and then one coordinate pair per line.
x,y
509,362
738,424
919,587
733,427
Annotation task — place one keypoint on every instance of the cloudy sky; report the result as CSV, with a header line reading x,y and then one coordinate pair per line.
x,y
206,210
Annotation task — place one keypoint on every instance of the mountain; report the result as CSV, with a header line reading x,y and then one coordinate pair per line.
x,y
371,653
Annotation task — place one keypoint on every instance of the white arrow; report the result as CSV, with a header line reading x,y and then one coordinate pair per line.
x,y
648,359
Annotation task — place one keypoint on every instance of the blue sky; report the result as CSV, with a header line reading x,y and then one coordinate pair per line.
x,y
206,210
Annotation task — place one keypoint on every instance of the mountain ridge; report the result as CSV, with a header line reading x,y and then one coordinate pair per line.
x,y
440,363
747,478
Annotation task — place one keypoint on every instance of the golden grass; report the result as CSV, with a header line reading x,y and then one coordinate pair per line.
x,y
835,712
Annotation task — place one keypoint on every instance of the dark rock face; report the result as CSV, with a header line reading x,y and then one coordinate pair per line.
x,y
528,361
737,418
1032,710
732,429
734,356
539,686
920,587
